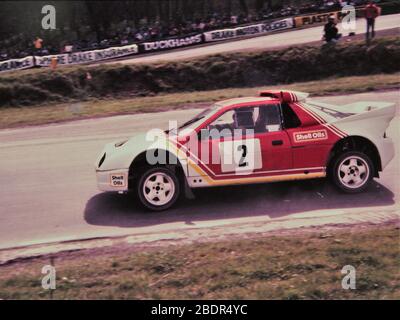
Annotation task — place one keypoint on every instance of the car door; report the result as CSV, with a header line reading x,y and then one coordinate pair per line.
x,y
275,143
245,141
311,141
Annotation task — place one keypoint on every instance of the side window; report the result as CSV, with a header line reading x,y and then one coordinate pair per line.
x,y
261,119
244,118
290,118
224,124
269,119
235,119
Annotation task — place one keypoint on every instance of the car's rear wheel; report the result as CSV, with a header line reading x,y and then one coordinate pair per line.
x,y
352,171
158,188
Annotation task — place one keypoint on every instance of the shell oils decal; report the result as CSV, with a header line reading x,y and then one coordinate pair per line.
x,y
117,180
313,135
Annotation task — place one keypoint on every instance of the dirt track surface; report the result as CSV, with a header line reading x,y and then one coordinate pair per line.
x,y
49,189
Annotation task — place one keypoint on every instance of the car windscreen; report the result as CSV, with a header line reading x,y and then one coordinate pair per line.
x,y
199,118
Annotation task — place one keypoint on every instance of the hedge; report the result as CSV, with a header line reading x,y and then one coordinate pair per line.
x,y
298,63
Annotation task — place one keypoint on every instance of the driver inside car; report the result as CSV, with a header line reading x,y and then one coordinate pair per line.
x,y
243,120
261,122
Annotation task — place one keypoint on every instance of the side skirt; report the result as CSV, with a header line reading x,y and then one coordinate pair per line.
x,y
206,181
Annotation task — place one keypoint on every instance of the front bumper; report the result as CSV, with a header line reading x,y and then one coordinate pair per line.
x,y
112,180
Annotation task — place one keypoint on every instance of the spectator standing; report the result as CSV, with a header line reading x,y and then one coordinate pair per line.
x,y
234,19
68,48
372,11
53,63
38,43
331,31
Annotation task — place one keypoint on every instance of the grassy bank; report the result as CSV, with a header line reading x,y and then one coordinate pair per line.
x,y
20,116
230,70
299,266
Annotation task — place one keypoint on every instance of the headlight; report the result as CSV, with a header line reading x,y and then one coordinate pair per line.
x,y
121,143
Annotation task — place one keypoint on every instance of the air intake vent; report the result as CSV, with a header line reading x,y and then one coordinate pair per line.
x,y
102,160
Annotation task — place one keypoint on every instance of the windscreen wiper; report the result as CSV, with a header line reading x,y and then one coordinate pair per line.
x,y
190,122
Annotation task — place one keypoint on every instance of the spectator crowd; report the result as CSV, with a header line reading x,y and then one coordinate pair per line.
x,y
20,45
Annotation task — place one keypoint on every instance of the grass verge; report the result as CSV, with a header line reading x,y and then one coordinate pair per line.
x,y
220,71
22,116
297,266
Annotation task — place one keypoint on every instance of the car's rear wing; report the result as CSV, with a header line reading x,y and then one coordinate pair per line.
x,y
285,95
366,106
370,116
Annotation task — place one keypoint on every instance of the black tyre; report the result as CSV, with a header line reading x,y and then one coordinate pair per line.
x,y
352,171
158,188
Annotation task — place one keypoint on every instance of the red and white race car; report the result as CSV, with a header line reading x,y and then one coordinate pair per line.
x,y
276,136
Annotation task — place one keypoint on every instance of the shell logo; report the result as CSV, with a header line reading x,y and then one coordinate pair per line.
x,y
310,135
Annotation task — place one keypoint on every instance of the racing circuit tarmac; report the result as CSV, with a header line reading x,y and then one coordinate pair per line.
x,y
280,39
48,188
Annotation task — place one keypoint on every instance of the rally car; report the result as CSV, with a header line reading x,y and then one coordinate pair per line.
x,y
278,135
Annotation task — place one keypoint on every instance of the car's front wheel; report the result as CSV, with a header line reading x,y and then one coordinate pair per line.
x,y
352,171
158,188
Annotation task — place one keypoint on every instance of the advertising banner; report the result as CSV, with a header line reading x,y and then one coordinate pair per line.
x,y
69,58
320,18
16,64
260,28
88,56
171,43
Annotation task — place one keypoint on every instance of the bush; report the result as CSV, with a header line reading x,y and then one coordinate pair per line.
x,y
220,71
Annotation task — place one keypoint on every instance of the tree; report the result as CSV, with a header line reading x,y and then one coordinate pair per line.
x,y
243,6
100,17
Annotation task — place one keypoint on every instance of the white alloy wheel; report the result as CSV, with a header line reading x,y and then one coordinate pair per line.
x,y
158,188
353,172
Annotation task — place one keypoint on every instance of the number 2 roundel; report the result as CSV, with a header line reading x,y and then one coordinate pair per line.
x,y
240,156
